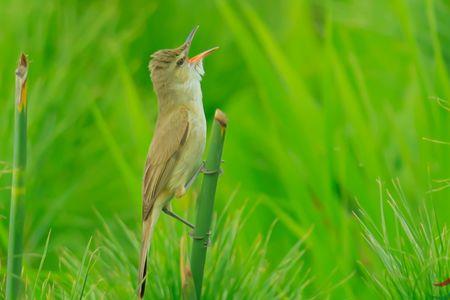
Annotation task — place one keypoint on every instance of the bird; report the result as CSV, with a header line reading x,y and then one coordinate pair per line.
x,y
175,155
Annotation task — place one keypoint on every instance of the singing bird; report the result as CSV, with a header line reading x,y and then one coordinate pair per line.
x,y
175,155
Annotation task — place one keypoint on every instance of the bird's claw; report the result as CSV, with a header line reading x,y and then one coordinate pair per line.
x,y
206,238
206,171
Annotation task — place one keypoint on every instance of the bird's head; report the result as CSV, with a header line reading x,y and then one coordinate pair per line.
x,y
173,67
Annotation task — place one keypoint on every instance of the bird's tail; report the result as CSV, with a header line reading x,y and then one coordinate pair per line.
x,y
148,227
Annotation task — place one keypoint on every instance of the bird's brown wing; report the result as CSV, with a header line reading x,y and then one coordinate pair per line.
x,y
169,138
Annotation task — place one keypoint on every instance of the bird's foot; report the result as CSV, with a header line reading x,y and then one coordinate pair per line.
x,y
206,238
207,171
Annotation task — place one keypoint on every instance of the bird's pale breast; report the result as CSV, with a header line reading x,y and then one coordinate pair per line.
x,y
191,154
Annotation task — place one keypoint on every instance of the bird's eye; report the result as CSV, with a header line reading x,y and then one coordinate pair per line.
x,y
180,61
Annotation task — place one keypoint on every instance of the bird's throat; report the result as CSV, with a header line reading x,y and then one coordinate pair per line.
x,y
187,94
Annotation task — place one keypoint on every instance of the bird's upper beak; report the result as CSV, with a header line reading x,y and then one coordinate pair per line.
x,y
188,43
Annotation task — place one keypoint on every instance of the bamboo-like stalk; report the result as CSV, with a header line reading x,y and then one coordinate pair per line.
x,y
205,203
17,210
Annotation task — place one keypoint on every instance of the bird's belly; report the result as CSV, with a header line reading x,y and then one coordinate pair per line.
x,y
191,155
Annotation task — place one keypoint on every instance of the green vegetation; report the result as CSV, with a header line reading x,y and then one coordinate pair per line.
x,y
106,269
205,202
415,257
17,208
324,97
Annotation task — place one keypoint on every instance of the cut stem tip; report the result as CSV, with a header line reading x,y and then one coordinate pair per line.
x,y
23,60
220,117
22,67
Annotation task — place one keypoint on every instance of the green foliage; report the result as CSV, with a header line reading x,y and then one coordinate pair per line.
x,y
415,257
107,269
324,97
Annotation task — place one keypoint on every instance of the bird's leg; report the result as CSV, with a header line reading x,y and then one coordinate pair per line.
x,y
201,169
191,181
168,212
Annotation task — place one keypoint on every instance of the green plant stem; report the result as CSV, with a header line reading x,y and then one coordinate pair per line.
x,y
205,203
17,210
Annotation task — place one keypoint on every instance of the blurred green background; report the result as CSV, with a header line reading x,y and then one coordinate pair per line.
x,y
324,98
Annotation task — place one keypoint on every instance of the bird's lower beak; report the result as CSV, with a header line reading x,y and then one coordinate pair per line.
x,y
202,55
187,45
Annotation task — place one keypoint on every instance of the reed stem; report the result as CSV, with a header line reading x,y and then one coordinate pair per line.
x,y
205,204
17,209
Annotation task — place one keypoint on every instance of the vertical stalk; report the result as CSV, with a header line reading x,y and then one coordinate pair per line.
x,y
17,210
205,203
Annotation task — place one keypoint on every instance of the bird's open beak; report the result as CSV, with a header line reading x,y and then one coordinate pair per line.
x,y
202,55
188,44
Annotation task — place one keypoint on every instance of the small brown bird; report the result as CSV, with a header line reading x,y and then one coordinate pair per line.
x,y
175,154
